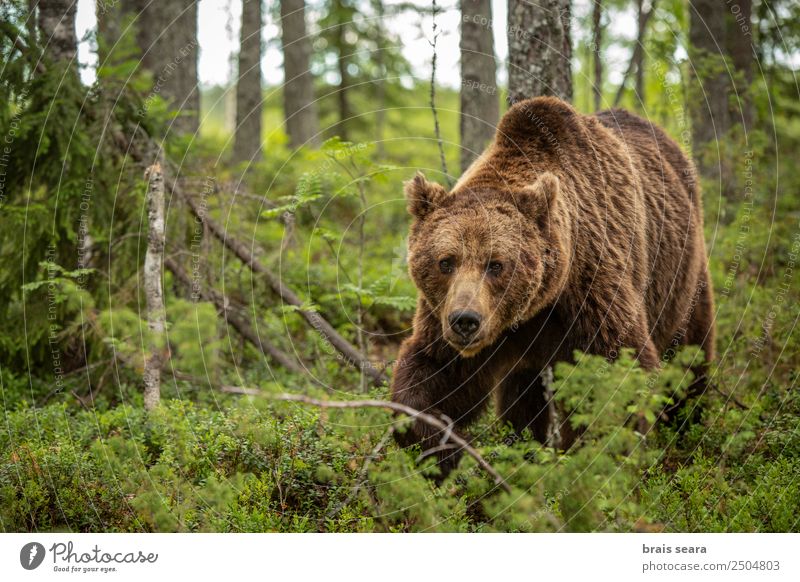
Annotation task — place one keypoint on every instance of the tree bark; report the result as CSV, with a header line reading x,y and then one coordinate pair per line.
x,y
740,47
300,109
57,28
709,87
344,76
167,37
247,141
480,110
539,49
597,44
153,289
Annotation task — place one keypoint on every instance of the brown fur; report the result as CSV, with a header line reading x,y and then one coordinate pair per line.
x,y
597,224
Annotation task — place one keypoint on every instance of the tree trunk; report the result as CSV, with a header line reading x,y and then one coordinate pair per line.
x,y
480,110
380,62
153,289
57,28
300,109
247,142
709,88
642,19
539,49
167,37
636,64
740,47
344,77
597,53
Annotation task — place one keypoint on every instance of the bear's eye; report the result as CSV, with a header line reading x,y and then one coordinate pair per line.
x,y
446,266
494,267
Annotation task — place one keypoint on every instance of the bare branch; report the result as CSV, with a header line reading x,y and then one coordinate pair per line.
x,y
239,324
351,354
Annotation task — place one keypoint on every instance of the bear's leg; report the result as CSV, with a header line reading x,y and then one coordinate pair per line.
x,y
521,401
700,330
452,389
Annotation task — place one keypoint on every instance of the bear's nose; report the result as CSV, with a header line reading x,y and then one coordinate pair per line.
x,y
465,323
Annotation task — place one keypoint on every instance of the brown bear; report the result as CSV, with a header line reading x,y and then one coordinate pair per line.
x,y
570,232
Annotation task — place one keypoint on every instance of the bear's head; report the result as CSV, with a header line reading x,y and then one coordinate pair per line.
x,y
485,260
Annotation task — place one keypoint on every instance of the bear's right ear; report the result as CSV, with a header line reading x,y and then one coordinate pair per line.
x,y
422,196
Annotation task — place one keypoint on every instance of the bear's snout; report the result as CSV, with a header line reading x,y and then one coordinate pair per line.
x,y
465,323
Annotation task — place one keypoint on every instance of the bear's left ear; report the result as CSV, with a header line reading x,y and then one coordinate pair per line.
x,y
423,196
537,199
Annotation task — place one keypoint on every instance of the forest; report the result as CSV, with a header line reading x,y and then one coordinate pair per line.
x,y
204,287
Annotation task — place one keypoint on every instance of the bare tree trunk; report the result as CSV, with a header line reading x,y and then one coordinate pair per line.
x,y
597,53
153,290
740,47
642,31
167,37
57,28
480,110
539,49
344,78
708,94
380,60
247,142
636,64
300,109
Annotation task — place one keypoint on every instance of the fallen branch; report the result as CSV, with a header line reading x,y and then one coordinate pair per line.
x,y
408,411
238,323
350,353
347,350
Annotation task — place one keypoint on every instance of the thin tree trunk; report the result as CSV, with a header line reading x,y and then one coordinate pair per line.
x,y
344,77
247,142
597,53
709,89
539,49
57,28
636,64
740,47
480,109
153,289
380,60
300,109
642,28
